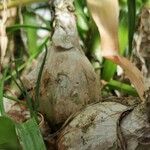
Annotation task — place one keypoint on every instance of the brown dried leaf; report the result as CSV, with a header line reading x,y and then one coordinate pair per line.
x,y
132,73
102,11
3,36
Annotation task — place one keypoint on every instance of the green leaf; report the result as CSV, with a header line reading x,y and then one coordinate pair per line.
x,y
30,19
8,136
2,111
93,41
82,20
29,136
109,69
123,38
131,22
37,88
39,49
122,87
24,26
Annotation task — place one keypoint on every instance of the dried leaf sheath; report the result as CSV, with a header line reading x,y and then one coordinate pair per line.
x,y
3,36
133,74
105,14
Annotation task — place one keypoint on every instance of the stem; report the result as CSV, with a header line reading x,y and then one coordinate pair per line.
x,y
15,3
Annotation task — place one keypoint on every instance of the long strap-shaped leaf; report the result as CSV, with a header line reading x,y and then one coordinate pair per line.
x,y
105,14
131,22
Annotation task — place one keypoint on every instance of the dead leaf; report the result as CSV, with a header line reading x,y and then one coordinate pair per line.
x,y
3,36
105,14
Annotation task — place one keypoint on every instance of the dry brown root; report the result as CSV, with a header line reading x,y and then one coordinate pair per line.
x,y
68,81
